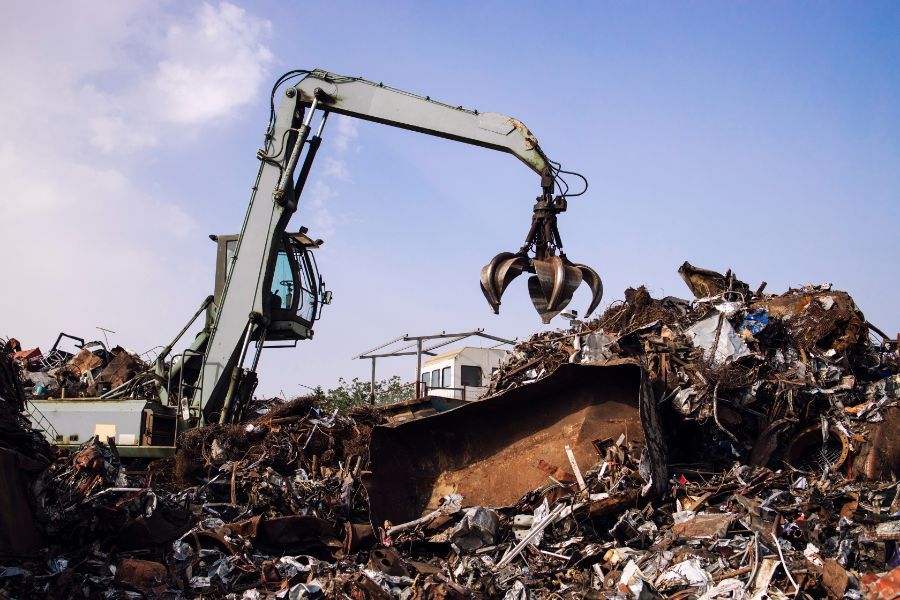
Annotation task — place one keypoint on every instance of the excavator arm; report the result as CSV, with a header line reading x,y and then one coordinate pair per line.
x,y
243,315
370,101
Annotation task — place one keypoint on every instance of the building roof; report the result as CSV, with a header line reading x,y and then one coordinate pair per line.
x,y
455,353
446,355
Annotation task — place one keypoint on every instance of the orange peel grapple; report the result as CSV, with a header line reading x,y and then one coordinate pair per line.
x,y
555,278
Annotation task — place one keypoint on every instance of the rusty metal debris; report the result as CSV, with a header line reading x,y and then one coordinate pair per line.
x,y
89,370
736,445
490,451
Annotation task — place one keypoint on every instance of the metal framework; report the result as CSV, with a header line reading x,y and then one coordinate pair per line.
x,y
418,344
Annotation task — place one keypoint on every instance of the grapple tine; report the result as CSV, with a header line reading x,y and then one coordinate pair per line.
x,y
536,291
497,275
545,270
573,280
487,280
509,270
552,287
558,281
591,277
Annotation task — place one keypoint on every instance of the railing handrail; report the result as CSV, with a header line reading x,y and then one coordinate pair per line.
x,y
42,420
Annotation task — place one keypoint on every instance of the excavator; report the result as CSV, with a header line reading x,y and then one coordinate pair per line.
x,y
268,291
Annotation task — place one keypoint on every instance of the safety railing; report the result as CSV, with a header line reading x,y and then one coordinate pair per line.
x,y
41,422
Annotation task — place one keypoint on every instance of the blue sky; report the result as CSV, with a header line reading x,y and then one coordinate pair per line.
x,y
763,137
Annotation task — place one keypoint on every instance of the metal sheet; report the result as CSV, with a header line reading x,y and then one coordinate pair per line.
x,y
489,451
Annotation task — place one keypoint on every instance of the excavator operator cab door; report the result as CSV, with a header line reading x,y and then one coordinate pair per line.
x,y
295,293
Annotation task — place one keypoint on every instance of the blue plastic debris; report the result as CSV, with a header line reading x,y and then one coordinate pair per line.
x,y
756,321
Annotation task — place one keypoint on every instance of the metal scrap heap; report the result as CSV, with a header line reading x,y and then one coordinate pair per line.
x,y
745,376
764,464
15,431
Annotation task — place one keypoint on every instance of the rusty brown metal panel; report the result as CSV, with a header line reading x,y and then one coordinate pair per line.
x,y
489,451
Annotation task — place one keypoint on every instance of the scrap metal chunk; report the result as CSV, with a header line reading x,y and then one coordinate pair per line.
x,y
490,451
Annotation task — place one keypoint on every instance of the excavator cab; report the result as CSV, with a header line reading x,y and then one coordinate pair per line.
x,y
296,293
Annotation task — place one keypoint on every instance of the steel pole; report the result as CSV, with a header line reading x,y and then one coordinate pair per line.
x,y
419,368
372,388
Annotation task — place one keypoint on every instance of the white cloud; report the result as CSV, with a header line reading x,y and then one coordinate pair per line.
x,y
332,167
347,132
319,197
212,64
98,93
113,133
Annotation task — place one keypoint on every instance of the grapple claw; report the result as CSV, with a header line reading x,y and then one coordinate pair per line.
x,y
542,304
558,281
555,279
593,280
497,275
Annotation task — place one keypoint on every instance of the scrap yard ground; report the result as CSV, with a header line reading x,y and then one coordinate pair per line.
x,y
752,452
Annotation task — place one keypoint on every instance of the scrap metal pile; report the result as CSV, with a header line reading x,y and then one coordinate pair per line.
x,y
90,370
743,373
255,506
781,426
778,420
15,430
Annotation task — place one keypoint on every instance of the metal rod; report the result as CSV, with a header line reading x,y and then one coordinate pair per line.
x,y
413,338
532,533
389,355
307,120
314,143
400,351
443,334
363,355
496,339
418,368
235,375
447,343
288,173
259,349
372,388
165,352
322,124
111,393
246,345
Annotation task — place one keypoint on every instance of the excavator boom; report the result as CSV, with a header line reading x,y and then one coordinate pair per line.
x,y
370,101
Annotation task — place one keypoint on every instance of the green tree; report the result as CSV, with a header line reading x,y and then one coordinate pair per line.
x,y
352,393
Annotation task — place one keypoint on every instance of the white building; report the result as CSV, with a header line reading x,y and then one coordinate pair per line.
x,y
463,373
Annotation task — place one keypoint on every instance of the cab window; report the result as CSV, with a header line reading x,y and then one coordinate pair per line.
x,y
282,296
